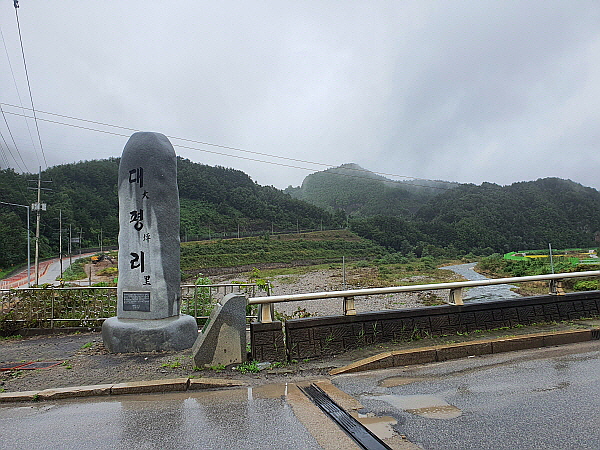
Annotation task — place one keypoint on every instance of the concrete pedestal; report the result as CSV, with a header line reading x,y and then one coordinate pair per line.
x,y
139,335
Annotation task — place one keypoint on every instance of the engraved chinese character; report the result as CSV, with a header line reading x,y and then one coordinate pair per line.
x,y
146,237
137,261
147,280
145,195
136,219
137,176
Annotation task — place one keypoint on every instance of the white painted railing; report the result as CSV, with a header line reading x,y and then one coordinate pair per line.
x,y
454,287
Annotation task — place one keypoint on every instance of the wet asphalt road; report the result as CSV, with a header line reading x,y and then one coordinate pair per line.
x,y
538,399
226,419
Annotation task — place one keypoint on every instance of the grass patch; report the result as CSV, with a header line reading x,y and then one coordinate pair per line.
x,y
325,246
14,337
76,271
248,366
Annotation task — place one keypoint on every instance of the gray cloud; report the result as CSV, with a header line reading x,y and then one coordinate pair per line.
x,y
467,91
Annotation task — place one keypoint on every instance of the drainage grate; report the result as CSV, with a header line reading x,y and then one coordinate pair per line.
x,y
349,424
596,333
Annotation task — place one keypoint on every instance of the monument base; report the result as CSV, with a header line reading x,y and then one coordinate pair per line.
x,y
147,335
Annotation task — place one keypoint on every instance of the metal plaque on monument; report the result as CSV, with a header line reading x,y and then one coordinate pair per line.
x,y
149,294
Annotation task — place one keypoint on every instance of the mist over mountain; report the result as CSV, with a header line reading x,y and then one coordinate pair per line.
x,y
362,193
413,216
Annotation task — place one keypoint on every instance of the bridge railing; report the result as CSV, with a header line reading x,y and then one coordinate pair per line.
x,y
455,288
90,306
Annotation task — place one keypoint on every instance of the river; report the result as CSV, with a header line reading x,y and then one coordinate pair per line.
x,y
481,293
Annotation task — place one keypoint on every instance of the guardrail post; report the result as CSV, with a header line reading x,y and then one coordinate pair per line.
x,y
456,296
349,309
266,312
556,287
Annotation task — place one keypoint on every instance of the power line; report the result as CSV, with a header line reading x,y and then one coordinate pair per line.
x,y
15,144
28,83
4,157
217,146
247,158
17,90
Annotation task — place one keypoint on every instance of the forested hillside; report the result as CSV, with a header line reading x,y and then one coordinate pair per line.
x,y
215,201
401,217
492,218
362,193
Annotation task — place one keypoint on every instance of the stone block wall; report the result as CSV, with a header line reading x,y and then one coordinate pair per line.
x,y
324,336
267,342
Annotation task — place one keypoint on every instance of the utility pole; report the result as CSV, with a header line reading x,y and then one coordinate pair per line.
x,y
38,206
60,241
70,241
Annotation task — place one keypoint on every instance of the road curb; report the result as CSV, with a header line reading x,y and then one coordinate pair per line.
x,y
465,349
134,387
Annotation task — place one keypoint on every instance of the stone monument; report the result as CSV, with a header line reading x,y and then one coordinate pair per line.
x,y
149,294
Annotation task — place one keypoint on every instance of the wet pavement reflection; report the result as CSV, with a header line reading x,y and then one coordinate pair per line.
x,y
253,418
543,398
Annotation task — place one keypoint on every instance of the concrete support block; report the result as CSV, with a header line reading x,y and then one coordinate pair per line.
x,y
462,350
381,361
456,296
223,339
145,387
213,383
22,396
517,343
139,335
567,337
349,308
416,356
75,392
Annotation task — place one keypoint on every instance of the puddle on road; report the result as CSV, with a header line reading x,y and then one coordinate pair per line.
x,y
428,406
561,385
268,391
379,426
398,381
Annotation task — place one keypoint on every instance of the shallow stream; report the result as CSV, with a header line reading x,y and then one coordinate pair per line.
x,y
481,293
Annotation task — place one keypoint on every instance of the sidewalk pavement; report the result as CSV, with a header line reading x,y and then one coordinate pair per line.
x,y
90,363
49,271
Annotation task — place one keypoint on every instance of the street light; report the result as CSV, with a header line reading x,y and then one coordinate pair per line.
x,y
28,242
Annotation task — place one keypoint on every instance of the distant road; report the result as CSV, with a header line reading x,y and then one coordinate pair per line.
x,y
49,272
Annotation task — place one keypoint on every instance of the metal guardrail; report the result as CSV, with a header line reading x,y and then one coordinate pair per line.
x,y
89,306
455,298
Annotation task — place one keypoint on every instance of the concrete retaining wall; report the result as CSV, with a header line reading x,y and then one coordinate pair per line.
x,y
324,336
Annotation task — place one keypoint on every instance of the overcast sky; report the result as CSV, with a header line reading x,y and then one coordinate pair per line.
x,y
466,91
